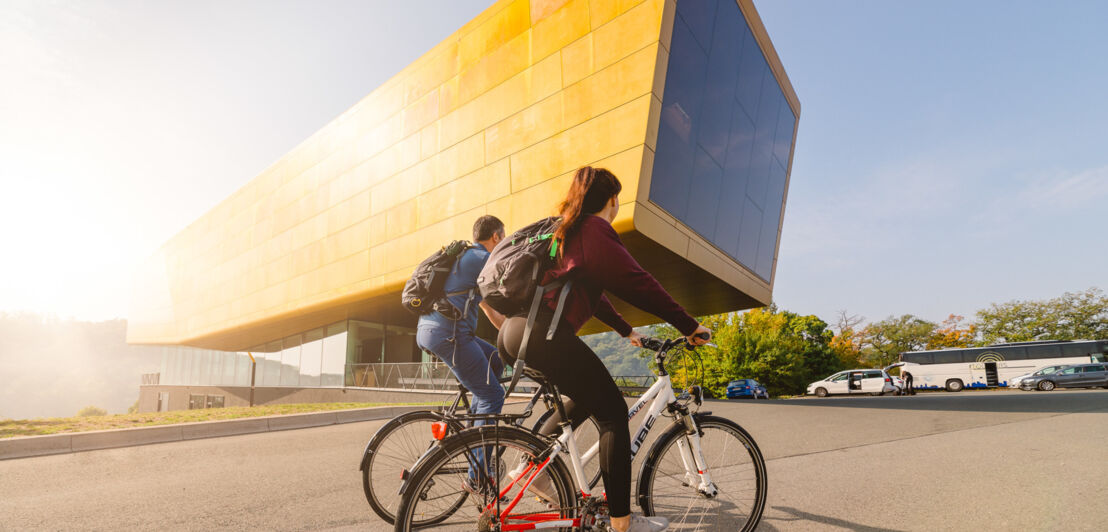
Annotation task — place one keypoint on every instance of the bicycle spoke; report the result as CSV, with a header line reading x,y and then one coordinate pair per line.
x,y
734,473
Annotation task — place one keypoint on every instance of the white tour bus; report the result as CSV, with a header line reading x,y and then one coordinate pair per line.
x,y
995,365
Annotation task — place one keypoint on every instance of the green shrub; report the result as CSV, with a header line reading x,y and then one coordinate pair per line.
x,y
92,411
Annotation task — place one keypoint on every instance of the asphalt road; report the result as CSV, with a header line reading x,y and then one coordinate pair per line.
x,y
968,461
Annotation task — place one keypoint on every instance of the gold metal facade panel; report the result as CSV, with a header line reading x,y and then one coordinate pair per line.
x,y
492,120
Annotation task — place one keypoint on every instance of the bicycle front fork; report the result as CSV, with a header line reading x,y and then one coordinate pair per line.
x,y
692,457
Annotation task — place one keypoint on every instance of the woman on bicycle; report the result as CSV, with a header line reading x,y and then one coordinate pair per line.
x,y
593,257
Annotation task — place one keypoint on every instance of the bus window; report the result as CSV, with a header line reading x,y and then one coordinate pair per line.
x,y
1100,357
950,357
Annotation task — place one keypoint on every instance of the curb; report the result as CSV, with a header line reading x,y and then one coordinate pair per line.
x,y
25,447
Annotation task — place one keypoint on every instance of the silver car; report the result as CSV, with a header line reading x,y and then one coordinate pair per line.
x,y
1075,376
1016,381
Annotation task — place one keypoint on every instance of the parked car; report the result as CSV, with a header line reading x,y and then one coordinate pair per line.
x,y
746,388
1073,376
1015,382
854,382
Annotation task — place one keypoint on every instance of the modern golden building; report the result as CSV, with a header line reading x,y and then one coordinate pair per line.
x,y
686,102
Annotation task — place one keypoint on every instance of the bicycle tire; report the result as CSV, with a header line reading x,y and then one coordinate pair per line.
x,y
382,490
586,434
441,465
676,499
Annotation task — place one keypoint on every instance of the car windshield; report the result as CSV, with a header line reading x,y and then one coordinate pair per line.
x,y
1048,371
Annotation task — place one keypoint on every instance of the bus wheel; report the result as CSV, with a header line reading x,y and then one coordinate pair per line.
x,y
1046,386
821,392
954,385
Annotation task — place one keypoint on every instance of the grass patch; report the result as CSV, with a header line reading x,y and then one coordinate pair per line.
x,y
11,428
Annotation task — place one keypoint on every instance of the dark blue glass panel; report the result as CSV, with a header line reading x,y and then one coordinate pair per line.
x,y
698,14
704,194
719,93
749,232
669,186
736,173
760,161
752,70
683,98
771,220
784,138
724,126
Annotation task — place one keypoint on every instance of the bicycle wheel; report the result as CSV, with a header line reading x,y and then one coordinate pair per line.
x,y
586,435
437,480
389,458
735,464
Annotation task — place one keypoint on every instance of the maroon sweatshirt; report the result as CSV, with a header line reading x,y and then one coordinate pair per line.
x,y
596,260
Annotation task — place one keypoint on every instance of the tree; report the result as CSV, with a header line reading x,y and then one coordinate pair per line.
x,y
1073,316
92,411
782,350
952,333
894,335
848,343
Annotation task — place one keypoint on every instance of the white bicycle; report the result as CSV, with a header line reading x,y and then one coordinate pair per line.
x,y
703,472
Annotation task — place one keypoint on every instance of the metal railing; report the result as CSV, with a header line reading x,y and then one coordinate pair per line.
x,y
437,376
634,384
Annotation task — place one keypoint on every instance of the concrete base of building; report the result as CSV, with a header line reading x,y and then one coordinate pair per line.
x,y
153,398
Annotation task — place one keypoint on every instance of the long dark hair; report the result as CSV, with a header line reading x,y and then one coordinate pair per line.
x,y
590,191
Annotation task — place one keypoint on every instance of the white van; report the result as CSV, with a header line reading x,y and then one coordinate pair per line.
x,y
854,382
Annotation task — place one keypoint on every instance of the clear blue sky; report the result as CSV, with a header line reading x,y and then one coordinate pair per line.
x,y
950,154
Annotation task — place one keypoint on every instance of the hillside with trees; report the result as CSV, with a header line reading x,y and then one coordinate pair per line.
x,y
785,350
53,367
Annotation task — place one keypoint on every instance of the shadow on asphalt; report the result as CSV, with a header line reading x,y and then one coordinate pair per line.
x,y
1060,401
799,516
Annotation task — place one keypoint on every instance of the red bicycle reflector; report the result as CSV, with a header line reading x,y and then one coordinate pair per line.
x,y
438,429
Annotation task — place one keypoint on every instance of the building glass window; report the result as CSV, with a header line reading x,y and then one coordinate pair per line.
x,y
290,361
214,401
726,132
196,401
184,367
271,374
365,345
229,363
400,344
334,355
311,357
242,372
215,367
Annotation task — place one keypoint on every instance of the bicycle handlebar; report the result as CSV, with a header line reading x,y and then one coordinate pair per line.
x,y
661,347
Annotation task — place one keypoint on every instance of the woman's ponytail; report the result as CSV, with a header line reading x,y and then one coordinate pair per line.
x,y
590,191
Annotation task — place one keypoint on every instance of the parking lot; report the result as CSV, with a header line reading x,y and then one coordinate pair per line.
x,y
968,461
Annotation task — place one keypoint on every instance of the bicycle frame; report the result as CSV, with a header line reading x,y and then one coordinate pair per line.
x,y
661,393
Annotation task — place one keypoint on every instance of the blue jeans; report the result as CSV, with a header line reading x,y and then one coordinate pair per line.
x,y
475,363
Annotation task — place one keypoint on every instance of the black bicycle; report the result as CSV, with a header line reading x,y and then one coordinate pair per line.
x,y
394,450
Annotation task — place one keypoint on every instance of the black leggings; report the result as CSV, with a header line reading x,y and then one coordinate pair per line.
x,y
570,365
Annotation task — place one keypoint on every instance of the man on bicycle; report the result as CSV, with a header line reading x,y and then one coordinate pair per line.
x,y
452,339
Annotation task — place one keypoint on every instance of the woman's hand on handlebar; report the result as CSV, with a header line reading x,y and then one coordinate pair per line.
x,y
699,337
635,338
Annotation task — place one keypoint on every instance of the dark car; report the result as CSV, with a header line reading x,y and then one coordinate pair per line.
x,y
1075,376
746,388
